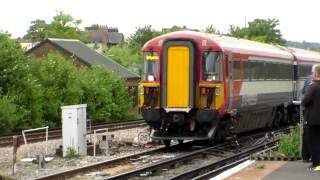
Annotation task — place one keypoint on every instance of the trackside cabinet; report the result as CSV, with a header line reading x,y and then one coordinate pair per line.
x,y
74,128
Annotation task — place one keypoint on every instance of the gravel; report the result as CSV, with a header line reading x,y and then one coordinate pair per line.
x,y
124,143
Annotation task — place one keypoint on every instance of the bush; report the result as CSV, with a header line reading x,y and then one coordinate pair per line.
x,y
106,95
59,78
289,145
8,114
11,56
72,153
32,91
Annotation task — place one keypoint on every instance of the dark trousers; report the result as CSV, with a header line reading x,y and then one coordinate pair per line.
x,y
306,155
314,143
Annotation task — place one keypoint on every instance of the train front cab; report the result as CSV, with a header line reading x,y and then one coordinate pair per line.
x,y
185,103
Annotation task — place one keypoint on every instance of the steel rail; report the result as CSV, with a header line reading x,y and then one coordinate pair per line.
x,y
211,170
187,157
73,172
57,133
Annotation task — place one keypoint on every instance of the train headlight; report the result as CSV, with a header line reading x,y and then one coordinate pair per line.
x,y
217,91
150,78
203,90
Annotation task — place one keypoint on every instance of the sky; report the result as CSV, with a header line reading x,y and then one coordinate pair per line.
x,y
299,19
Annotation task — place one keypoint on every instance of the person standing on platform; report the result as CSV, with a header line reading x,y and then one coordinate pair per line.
x,y
305,152
311,102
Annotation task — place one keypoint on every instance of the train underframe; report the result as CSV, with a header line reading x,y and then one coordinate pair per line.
x,y
200,124
197,124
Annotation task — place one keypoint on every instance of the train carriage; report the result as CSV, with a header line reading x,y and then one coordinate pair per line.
x,y
203,86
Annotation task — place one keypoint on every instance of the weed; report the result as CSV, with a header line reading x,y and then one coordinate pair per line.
x,y
72,153
289,145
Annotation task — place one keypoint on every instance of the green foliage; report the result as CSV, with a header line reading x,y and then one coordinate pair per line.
x,y
126,57
106,95
59,78
11,56
173,29
304,45
289,145
212,30
72,153
62,26
33,90
8,114
18,85
262,30
141,36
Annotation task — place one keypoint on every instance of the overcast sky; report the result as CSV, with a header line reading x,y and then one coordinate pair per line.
x,y
299,19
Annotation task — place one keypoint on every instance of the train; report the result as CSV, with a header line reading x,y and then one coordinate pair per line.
x,y
199,86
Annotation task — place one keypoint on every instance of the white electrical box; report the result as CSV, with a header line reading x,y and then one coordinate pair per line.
x,y
74,128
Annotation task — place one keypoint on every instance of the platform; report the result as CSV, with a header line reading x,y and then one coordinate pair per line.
x,y
275,170
295,170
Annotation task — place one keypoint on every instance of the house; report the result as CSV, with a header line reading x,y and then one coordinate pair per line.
x,y
108,36
84,55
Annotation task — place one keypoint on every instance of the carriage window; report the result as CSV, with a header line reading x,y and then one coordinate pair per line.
x,y
247,70
150,66
211,66
236,70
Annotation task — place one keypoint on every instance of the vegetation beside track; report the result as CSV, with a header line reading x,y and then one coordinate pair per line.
x,y
289,144
33,90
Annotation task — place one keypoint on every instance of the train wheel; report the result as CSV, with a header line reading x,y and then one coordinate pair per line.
x,y
166,142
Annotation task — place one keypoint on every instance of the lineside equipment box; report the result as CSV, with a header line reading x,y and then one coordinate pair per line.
x,y
74,128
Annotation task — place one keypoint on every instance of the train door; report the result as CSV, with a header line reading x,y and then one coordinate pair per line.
x,y
229,80
178,75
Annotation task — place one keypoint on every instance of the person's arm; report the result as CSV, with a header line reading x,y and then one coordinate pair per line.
x,y
308,97
306,83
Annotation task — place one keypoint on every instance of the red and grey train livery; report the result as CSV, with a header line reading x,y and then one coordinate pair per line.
x,y
203,86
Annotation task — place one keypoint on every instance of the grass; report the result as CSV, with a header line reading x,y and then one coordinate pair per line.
x,y
72,153
261,166
289,145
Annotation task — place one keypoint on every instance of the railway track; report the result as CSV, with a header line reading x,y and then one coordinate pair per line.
x,y
57,133
114,162
191,163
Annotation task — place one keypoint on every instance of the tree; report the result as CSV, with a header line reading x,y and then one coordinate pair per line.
x,y
19,91
106,95
59,78
62,26
141,36
173,29
11,57
212,30
126,57
262,30
8,114
37,31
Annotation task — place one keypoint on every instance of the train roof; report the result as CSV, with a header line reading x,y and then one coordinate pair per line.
x,y
241,46
305,55
252,47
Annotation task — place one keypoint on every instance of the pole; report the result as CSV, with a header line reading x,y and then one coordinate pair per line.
x,y
14,154
47,134
301,129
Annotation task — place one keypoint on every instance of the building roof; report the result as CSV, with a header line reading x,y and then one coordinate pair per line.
x,y
88,55
114,38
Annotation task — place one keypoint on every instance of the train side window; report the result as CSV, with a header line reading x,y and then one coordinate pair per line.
x,y
236,70
269,74
246,70
304,70
257,70
261,75
211,66
253,70
276,71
